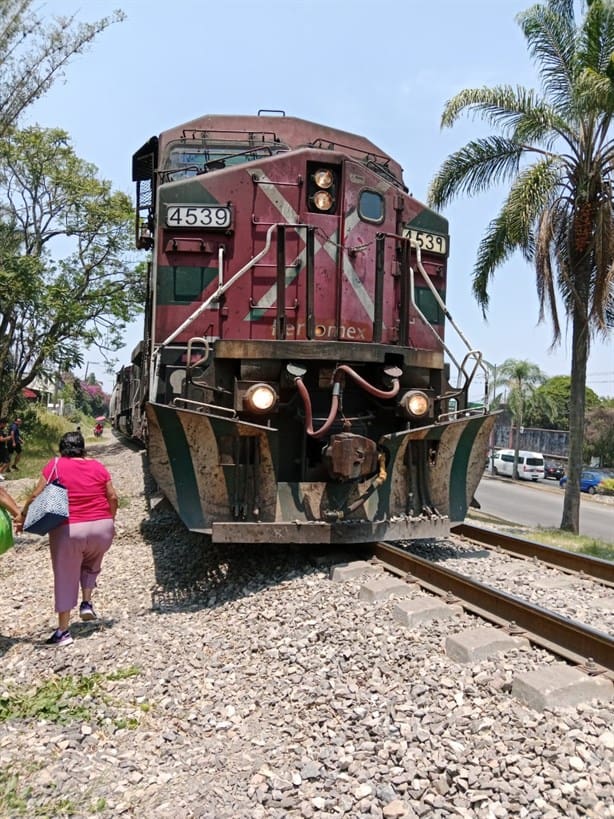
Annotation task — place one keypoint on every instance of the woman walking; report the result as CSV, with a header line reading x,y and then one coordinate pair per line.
x,y
77,546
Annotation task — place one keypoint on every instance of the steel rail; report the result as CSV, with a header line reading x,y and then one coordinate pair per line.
x,y
567,638
561,558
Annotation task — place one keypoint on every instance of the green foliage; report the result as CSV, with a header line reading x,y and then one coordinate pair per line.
x,y
576,543
551,406
521,378
60,699
606,487
13,800
551,537
65,280
33,54
42,431
599,435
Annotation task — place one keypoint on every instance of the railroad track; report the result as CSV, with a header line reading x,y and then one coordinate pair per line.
x,y
602,570
591,649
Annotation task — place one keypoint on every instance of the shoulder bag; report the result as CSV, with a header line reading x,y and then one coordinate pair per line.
x,y
48,509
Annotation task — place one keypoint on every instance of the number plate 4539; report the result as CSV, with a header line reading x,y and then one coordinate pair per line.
x,y
207,217
433,242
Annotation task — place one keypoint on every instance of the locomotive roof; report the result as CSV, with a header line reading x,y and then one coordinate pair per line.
x,y
291,131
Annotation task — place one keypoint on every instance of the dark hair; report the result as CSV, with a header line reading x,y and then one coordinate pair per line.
x,y
72,445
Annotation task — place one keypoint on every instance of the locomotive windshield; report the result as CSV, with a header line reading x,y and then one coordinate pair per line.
x,y
191,158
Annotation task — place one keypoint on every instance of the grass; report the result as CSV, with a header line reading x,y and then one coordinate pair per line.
x,y
41,432
15,801
550,537
61,700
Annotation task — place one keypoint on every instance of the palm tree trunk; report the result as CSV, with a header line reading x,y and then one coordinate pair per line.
x,y
577,399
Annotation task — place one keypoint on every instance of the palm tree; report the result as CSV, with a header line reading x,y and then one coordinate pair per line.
x,y
557,152
521,378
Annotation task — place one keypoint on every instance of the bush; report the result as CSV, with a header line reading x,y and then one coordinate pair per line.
x,y
606,487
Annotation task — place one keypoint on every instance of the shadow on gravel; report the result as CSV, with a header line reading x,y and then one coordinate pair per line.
x,y
7,643
193,573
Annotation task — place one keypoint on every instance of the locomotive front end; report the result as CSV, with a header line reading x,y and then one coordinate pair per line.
x,y
295,381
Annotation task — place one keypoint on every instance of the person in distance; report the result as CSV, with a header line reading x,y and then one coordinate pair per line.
x,y
16,442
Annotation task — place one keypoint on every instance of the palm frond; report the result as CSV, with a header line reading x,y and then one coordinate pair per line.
x,y
512,230
501,105
596,38
593,92
495,248
546,288
566,264
474,168
550,35
604,264
533,190
609,310
564,8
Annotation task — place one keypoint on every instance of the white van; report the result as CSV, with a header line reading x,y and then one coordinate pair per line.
x,y
530,464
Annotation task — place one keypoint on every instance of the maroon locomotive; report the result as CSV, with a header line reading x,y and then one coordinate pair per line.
x,y
294,381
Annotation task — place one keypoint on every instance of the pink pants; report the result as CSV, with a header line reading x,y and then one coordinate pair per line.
x,y
77,550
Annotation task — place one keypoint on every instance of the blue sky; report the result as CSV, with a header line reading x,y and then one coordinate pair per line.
x,y
380,68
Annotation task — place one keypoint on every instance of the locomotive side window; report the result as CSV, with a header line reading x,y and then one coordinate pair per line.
x,y
371,206
190,158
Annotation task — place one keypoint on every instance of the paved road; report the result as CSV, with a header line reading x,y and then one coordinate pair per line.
x,y
541,504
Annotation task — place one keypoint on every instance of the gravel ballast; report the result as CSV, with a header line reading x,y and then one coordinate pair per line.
x,y
241,683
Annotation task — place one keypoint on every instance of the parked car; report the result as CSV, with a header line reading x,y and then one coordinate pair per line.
x,y
530,464
589,480
554,471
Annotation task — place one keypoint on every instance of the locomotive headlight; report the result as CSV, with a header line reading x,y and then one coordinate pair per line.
x,y
260,398
415,403
323,178
323,200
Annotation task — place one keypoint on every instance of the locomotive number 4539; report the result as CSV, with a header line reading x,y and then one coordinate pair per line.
x,y
215,217
434,242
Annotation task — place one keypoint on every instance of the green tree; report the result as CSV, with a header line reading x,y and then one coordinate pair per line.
x,y
600,434
65,279
521,377
34,53
556,150
551,408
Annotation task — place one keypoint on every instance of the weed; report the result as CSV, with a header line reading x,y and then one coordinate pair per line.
x,y
61,699
550,537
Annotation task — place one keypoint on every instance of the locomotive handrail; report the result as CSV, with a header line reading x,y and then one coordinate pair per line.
x,y
201,342
201,405
220,290
426,321
472,352
322,142
436,295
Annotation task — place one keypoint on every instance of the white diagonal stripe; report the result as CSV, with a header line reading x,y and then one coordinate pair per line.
x,y
272,192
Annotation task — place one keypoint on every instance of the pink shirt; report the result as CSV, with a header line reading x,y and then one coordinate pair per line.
x,y
86,481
